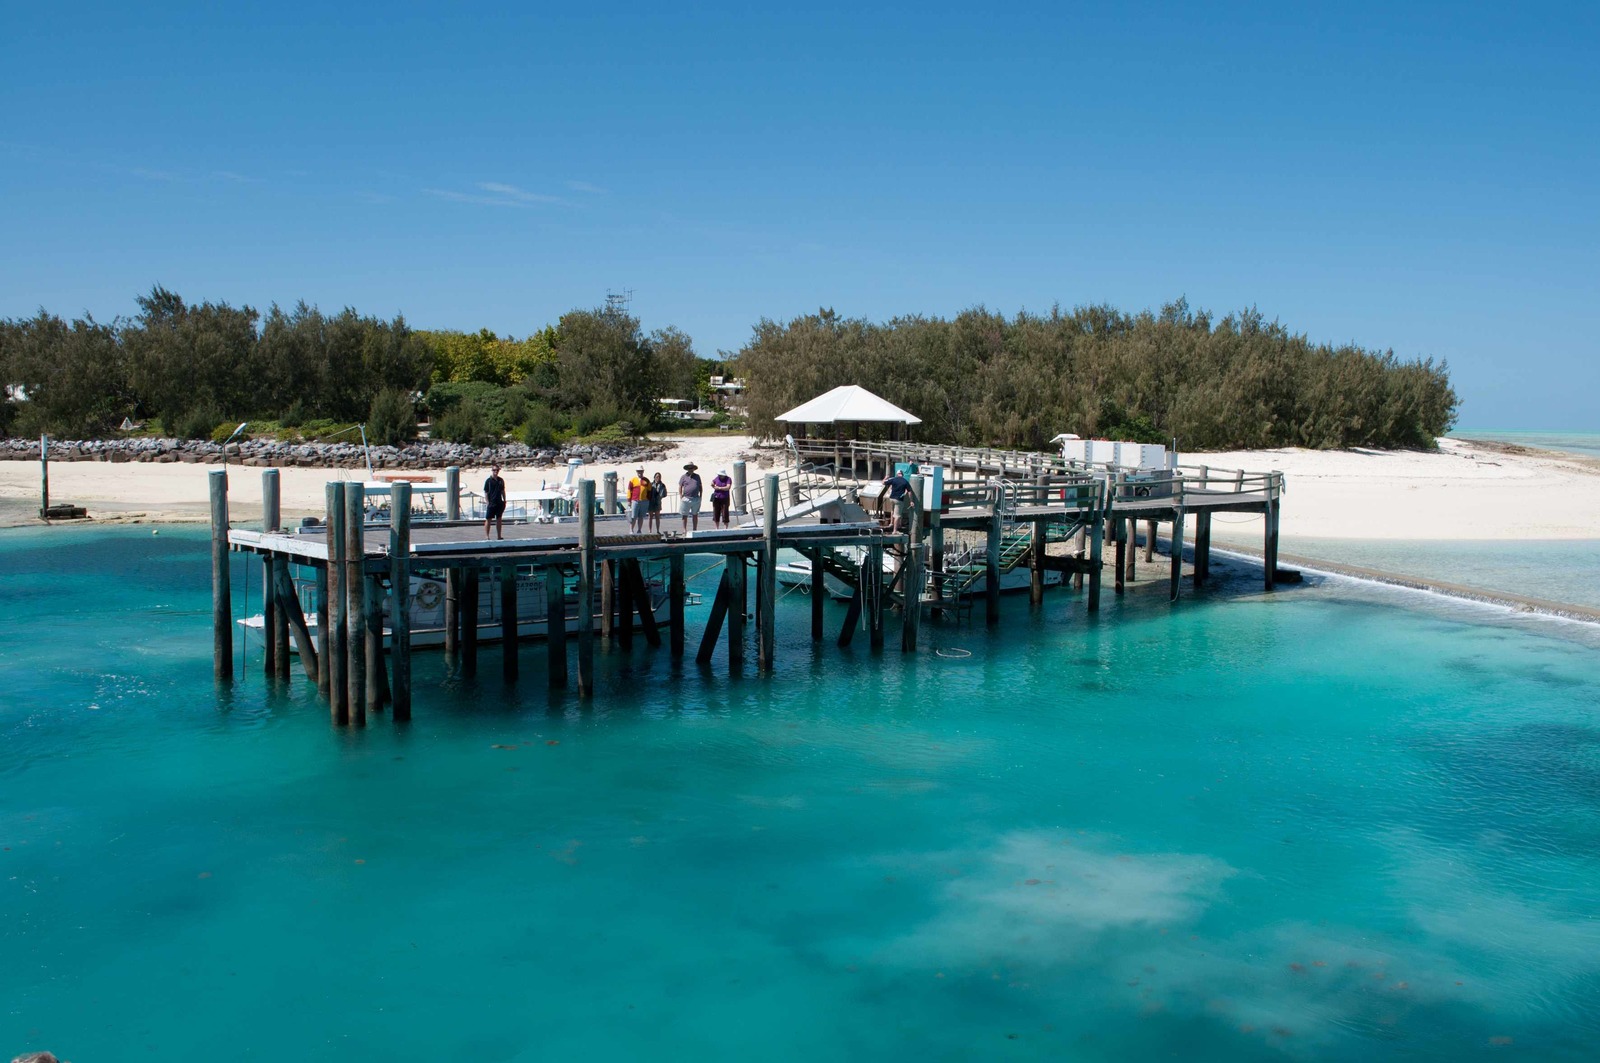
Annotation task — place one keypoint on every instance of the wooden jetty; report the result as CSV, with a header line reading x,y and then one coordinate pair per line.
x,y
997,511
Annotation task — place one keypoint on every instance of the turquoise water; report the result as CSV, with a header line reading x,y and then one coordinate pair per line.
x,y
1315,825
1560,570
1585,443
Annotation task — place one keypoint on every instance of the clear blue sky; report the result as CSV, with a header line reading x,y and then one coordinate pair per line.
x,y
1416,176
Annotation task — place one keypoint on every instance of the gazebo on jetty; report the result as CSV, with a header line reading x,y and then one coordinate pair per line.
x,y
1006,509
847,406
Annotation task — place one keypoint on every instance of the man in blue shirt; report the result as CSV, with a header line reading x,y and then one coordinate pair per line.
x,y
896,487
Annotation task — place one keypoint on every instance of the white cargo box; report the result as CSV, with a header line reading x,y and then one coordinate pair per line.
x,y
1141,455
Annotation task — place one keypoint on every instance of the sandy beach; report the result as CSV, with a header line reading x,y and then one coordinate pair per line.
x,y
1465,490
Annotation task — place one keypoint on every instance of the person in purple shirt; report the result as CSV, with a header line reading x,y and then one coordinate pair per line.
x,y
721,487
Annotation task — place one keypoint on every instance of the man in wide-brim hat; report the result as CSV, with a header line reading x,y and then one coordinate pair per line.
x,y
689,491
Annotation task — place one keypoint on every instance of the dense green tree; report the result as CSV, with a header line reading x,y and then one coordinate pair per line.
x,y
983,378
73,376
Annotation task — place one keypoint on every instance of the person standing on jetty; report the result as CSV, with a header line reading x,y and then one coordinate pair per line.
x,y
897,487
638,501
494,504
689,489
658,494
720,486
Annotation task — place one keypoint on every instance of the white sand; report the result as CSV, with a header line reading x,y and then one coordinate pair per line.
x,y
1465,491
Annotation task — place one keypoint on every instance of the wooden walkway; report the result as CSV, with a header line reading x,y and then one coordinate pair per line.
x,y
999,511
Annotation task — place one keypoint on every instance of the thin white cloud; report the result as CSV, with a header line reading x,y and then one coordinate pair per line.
x,y
155,175
585,186
495,194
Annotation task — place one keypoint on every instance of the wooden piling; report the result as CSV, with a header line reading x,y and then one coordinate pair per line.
x,y
334,641
936,537
1269,551
452,493
44,499
1177,553
608,600
269,599
874,598
221,579
355,610
508,622
911,584
377,671
1096,565
555,626
719,612
852,615
610,497
991,567
323,626
819,592
738,603
289,606
1202,547
1150,528
634,573
400,597
452,612
738,499
471,587
1119,553
677,594
585,588
768,592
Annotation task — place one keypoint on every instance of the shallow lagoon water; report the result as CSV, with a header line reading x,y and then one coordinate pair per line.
x,y
1321,824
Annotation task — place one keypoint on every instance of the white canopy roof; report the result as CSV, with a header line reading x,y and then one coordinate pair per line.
x,y
847,403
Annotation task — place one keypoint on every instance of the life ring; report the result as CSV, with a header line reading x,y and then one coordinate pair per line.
x,y
428,595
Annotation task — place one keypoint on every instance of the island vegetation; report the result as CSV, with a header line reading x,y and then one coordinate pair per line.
x,y
195,370
1237,382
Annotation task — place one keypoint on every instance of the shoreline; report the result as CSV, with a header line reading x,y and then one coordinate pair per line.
x,y
1517,603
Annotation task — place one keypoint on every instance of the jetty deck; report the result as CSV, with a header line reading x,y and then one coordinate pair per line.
x,y
996,511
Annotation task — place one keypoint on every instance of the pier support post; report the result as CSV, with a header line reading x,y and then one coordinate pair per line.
x,y
1150,528
322,629
608,599
471,587
1036,575
1096,565
1177,552
768,590
874,596
276,647
377,670
585,588
936,535
400,597
221,581
819,592
289,605
1119,553
508,621
355,610
44,495
719,612
911,580
1202,547
610,496
738,604
639,595
452,612
335,644
991,567
676,595
555,626
452,493
739,497
1269,551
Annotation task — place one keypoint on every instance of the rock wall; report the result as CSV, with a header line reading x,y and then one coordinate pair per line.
x,y
268,453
